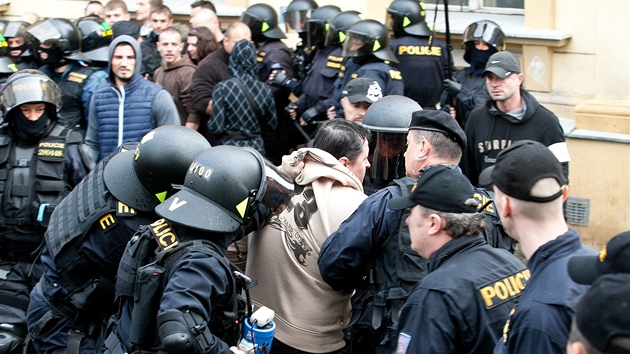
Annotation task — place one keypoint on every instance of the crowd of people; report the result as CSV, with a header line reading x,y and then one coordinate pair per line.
x,y
160,181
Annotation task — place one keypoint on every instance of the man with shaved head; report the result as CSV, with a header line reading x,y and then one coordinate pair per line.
x,y
207,18
214,69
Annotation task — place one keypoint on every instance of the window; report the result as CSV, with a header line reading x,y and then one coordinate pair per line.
x,y
478,4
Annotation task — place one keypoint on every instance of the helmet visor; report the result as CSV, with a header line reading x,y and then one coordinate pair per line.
x,y
387,157
295,21
486,31
316,33
359,45
252,21
44,31
333,37
29,89
14,29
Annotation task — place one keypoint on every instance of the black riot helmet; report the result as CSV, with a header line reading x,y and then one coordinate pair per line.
x,y
297,13
7,66
262,20
408,17
388,119
30,86
223,188
142,178
368,37
317,24
16,29
338,25
484,30
62,34
96,35
4,46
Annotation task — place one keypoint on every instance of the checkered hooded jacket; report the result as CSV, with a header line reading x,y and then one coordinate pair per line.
x,y
233,118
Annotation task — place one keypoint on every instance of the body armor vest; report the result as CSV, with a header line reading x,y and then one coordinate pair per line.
x,y
32,183
89,203
142,278
71,113
397,268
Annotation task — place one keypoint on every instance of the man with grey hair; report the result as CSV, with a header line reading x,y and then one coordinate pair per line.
x,y
465,273
370,251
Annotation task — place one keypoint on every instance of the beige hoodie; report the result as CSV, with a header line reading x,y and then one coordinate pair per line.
x,y
310,315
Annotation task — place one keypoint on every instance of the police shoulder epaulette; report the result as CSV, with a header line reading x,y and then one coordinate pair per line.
x,y
395,74
335,58
77,77
164,235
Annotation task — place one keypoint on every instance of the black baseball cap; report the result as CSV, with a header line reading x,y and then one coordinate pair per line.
x,y
613,258
520,166
603,312
441,188
503,64
362,89
438,121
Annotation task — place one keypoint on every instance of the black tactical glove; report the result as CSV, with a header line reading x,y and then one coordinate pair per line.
x,y
289,107
309,115
451,87
280,78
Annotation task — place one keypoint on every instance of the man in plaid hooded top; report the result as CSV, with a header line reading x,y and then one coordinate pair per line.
x,y
243,106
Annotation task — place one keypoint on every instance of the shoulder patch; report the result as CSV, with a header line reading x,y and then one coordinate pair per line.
x,y
403,343
164,234
51,149
107,221
123,210
484,198
505,289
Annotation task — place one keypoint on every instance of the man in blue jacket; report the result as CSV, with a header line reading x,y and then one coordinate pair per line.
x,y
129,106
529,189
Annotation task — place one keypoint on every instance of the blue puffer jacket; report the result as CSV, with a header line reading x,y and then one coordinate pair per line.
x,y
132,106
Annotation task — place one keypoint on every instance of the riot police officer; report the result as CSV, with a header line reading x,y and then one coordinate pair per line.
x,y
39,163
19,43
468,90
89,230
96,35
423,60
272,54
295,18
367,44
377,260
318,84
190,304
336,36
57,43
388,120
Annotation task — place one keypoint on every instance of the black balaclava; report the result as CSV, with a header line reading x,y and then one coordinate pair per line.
x,y
22,48
55,57
30,131
479,58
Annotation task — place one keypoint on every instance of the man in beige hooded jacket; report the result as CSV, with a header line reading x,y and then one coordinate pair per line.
x,y
310,316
